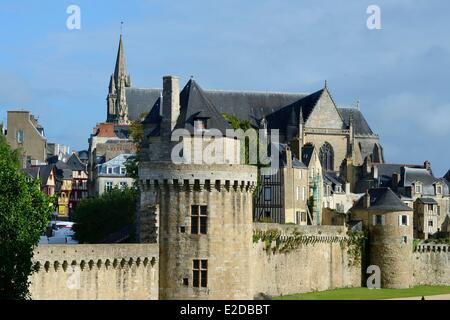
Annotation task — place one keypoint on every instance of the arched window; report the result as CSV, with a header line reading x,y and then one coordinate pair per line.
x,y
326,156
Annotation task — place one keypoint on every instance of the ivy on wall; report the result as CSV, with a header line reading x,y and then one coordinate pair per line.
x,y
275,243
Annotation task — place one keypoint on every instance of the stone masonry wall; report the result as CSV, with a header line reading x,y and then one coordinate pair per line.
x,y
320,262
431,264
96,272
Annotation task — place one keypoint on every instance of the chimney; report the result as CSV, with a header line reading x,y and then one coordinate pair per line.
x,y
395,181
427,165
171,103
375,172
367,199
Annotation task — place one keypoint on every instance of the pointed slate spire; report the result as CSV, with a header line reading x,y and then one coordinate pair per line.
x,y
121,68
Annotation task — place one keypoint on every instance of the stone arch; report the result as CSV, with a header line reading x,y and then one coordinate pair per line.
x,y
326,156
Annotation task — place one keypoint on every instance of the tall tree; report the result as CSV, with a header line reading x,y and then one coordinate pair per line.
x,y
24,214
97,218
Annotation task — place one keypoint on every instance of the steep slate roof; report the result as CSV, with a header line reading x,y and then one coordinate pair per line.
x,y
194,103
40,172
411,175
140,101
277,107
383,199
75,164
360,125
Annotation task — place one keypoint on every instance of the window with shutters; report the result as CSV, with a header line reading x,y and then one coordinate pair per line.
x,y
199,219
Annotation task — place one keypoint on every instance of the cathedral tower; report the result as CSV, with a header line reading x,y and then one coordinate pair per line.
x,y
117,101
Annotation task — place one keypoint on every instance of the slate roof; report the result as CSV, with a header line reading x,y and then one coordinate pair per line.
x,y
40,172
307,152
140,101
427,201
75,164
360,125
194,103
383,199
278,108
281,147
411,175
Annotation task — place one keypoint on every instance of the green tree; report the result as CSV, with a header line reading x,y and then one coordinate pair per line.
x,y
24,215
137,135
96,218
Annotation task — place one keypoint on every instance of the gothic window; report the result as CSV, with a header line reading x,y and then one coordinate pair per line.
x,y
326,156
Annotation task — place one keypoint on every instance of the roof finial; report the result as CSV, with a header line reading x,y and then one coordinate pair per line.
x,y
121,27
326,84
358,104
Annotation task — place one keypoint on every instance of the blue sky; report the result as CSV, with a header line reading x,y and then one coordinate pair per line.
x,y
399,73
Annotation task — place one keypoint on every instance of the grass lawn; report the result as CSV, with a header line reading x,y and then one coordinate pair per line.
x,y
368,294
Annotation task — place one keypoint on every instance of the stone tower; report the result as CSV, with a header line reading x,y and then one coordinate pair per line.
x,y
201,214
117,101
389,223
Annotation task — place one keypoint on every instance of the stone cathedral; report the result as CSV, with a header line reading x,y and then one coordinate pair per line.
x,y
341,136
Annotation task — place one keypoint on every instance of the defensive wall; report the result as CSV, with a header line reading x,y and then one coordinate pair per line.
x,y
95,272
289,259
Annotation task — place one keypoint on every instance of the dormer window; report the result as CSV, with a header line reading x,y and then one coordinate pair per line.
x,y
200,124
438,189
417,188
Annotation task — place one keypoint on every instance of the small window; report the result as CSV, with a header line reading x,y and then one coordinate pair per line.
x,y
303,216
185,281
200,124
404,239
108,185
123,170
430,207
267,194
378,220
109,170
404,221
123,185
20,137
439,190
199,219
430,223
183,229
418,188
200,273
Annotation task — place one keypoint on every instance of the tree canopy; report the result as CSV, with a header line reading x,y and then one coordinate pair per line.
x,y
96,218
24,215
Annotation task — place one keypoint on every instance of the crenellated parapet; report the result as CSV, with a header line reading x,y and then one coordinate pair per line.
x,y
90,257
198,177
431,247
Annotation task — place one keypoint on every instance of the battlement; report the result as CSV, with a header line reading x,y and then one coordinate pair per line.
x,y
115,256
198,177
431,247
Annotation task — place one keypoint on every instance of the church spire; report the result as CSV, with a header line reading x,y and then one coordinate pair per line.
x,y
117,100
121,67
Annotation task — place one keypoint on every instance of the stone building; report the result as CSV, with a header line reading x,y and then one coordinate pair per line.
x,y
418,188
341,136
201,211
389,223
112,174
25,132
283,196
